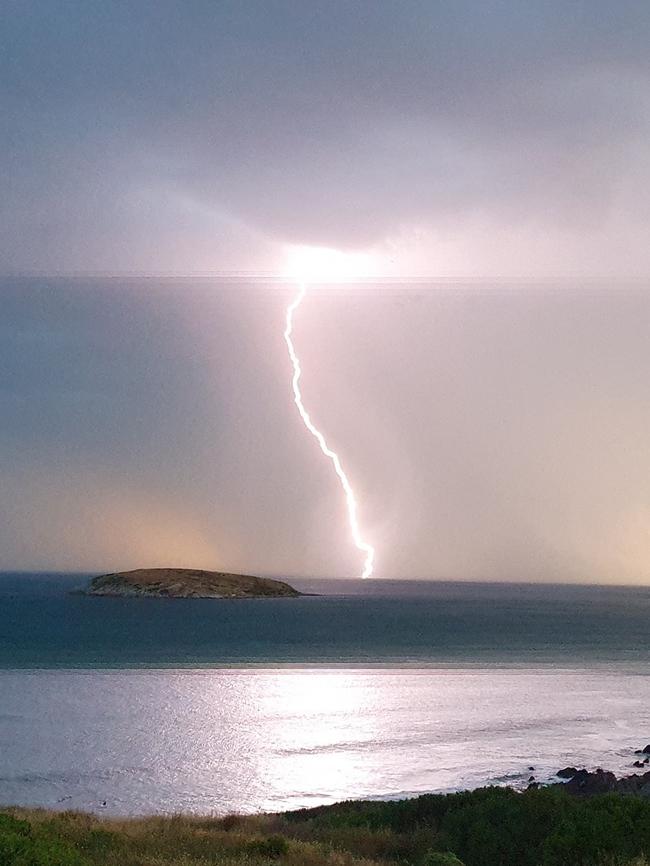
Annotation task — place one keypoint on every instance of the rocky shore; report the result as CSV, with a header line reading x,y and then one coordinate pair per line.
x,y
589,783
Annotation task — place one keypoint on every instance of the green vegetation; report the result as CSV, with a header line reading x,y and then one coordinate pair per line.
x,y
21,845
487,827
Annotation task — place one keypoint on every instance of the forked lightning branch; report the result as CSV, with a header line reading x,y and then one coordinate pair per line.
x,y
350,498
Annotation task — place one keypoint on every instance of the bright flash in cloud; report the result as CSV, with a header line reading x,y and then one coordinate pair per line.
x,y
313,264
325,265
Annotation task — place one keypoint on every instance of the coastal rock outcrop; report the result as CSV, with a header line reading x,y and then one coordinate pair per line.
x,y
587,784
187,583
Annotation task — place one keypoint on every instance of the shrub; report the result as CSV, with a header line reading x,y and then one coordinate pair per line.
x,y
273,847
20,846
500,827
99,841
439,858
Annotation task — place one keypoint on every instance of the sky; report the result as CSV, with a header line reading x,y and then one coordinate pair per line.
x,y
486,389
458,137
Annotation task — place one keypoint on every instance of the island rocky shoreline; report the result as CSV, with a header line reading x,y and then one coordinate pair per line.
x,y
187,583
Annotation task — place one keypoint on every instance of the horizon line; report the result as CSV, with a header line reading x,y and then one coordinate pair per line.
x,y
275,277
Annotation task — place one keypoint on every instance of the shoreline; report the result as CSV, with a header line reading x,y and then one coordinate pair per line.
x,y
484,826
583,778
104,813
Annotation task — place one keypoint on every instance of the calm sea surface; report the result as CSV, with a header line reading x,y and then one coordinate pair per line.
x,y
370,689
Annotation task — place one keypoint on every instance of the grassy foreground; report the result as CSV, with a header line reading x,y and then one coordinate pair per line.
x,y
487,827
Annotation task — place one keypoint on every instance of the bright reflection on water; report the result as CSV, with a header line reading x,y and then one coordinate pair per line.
x,y
247,740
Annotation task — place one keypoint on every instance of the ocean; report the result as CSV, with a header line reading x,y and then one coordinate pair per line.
x,y
368,689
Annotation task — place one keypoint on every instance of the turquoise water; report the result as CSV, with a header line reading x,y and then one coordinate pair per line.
x,y
372,622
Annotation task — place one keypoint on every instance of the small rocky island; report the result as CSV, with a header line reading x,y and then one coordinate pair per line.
x,y
187,583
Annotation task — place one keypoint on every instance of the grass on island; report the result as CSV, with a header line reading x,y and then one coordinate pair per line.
x,y
487,827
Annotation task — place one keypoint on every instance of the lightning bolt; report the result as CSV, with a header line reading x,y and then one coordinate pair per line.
x,y
350,498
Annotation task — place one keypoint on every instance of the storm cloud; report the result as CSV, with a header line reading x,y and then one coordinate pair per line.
x,y
457,137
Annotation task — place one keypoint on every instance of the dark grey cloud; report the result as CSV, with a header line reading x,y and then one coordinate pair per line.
x,y
196,135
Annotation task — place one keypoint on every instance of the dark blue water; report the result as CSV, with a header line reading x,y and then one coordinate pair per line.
x,y
42,625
